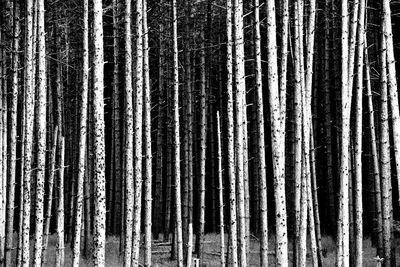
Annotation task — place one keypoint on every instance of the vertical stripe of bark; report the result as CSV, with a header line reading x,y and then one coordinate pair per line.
x,y
261,141
276,136
41,135
138,120
28,132
178,209
147,140
231,158
128,152
240,124
82,136
12,137
99,146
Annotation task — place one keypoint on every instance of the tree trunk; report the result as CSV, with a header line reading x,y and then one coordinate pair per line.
x,y
276,133
28,132
178,210
129,200
99,149
261,140
240,124
12,138
147,139
343,219
220,193
230,128
358,260
82,136
385,158
41,135
138,120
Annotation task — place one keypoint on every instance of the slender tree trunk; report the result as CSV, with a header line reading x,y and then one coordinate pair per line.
x,y
147,139
230,127
28,132
343,219
261,140
82,136
203,139
392,84
41,135
298,127
129,200
328,118
158,201
99,149
358,260
240,124
13,138
276,133
138,120
178,210
50,193
384,157
60,254
221,193
374,151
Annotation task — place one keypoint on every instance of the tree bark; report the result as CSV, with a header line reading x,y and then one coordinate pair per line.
x,y
99,146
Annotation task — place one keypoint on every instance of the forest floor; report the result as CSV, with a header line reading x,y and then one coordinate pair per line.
x,y
161,253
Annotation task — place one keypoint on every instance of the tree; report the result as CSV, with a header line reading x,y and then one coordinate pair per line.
x,y
128,152
28,132
99,147
41,135
276,132
82,136
13,137
261,140
178,214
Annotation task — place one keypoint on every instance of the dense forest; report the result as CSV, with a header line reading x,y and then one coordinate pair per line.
x,y
199,133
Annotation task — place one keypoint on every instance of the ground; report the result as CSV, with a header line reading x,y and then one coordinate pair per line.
x,y
161,253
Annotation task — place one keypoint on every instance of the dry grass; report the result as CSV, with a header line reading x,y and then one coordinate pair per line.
x,y
161,253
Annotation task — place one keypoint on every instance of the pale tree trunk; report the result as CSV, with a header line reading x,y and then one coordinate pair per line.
x,y
82,136
41,135
3,139
28,132
128,152
384,157
138,120
358,261
276,133
240,124
178,210
315,202
374,152
261,139
12,138
50,193
203,137
283,64
392,84
343,218
230,127
99,146
220,193
298,114
147,140
189,136
60,250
